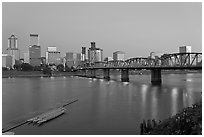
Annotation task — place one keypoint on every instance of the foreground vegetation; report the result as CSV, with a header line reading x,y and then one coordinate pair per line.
x,y
186,122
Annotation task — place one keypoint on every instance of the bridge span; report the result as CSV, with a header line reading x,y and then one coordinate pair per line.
x,y
176,61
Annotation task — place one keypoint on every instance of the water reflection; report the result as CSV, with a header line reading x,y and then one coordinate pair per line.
x,y
125,83
174,97
190,96
185,99
101,80
154,103
144,89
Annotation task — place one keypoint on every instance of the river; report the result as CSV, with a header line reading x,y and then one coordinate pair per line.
x,y
104,107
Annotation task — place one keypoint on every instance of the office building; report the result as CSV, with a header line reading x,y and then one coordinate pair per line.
x,y
73,59
6,61
51,49
118,55
95,54
12,49
185,49
34,39
35,55
53,57
185,59
34,50
83,54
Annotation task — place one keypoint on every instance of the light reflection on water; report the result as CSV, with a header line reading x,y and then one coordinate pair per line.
x,y
104,107
174,97
154,103
144,90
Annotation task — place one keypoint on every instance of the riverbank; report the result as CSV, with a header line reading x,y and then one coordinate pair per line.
x,y
23,74
15,73
186,122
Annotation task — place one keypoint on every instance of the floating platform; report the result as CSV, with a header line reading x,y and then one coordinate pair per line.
x,y
8,133
47,116
42,118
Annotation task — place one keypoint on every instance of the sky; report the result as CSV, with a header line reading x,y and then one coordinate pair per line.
x,y
133,27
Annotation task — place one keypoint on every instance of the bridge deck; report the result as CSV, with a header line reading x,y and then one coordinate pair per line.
x,y
147,68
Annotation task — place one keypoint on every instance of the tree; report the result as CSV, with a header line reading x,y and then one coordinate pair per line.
x,y
60,67
37,68
26,67
4,69
17,66
67,68
47,70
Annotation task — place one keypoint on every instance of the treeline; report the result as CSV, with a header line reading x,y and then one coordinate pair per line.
x,y
44,68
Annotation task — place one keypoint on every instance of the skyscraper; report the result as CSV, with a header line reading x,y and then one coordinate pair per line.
x,y
83,54
185,49
184,58
34,50
95,54
12,49
34,39
35,55
73,59
53,56
119,55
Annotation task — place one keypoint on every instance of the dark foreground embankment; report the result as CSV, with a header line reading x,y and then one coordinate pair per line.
x,y
186,122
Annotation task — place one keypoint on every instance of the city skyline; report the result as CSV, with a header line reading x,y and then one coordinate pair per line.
x,y
144,27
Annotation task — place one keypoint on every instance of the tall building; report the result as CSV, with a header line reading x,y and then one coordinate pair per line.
x,y
6,61
12,49
185,59
185,49
95,54
53,56
73,59
34,39
119,55
34,50
83,54
51,48
35,55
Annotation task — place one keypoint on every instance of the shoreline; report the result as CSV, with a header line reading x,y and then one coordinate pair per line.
x,y
35,74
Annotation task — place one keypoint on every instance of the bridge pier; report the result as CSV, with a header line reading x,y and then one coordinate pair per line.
x,y
124,75
106,74
156,77
92,73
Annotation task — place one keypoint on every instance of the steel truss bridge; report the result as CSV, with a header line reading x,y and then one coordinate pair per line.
x,y
166,61
175,61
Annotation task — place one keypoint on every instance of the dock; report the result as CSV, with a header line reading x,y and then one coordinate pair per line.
x,y
8,133
47,116
44,117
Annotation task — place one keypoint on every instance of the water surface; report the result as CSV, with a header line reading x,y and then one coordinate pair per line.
x,y
104,107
